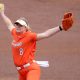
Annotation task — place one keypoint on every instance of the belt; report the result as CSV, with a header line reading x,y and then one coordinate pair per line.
x,y
24,66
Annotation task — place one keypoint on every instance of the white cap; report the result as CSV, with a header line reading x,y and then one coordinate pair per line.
x,y
22,22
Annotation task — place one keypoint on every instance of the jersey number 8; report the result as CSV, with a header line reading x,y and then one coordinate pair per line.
x,y
21,51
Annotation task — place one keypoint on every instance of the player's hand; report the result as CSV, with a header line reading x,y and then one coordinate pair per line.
x,y
1,7
67,21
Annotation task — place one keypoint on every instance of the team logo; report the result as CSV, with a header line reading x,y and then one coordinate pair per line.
x,y
16,44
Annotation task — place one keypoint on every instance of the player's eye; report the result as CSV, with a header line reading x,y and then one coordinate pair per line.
x,y
18,24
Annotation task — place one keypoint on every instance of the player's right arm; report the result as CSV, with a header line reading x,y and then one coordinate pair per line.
x,y
5,18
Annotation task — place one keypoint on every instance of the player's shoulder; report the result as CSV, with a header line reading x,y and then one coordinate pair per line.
x,y
30,33
13,31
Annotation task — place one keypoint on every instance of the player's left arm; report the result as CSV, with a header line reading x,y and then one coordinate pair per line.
x,y
67,23
49,33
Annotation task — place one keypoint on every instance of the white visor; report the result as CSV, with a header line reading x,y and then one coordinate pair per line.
x,y
22,22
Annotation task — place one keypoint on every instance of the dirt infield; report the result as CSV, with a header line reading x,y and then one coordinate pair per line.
x,y
62,50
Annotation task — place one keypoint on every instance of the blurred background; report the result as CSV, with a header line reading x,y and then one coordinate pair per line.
x,y
61,50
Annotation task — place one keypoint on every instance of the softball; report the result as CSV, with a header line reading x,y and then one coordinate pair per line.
x,y
1,7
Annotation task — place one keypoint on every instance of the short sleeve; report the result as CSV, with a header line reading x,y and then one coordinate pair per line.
x,y
33,36
13,31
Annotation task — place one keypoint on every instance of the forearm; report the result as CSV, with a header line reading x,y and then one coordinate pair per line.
x,y
52,31
49,33
7,21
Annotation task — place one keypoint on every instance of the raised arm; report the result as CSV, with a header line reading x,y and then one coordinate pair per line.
x,y
49,33
67,22
5,18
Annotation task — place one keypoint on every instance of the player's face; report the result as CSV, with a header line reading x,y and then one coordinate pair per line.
x,y
20,28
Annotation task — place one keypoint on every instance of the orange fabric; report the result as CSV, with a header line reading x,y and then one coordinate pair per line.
x,y
30,73
23,47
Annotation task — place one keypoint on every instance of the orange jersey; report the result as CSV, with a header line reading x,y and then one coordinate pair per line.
x,y
23,47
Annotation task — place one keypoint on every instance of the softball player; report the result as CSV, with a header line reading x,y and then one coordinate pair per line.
x,y
24,44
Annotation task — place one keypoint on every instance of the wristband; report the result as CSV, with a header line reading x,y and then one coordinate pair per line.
x,y
60,28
